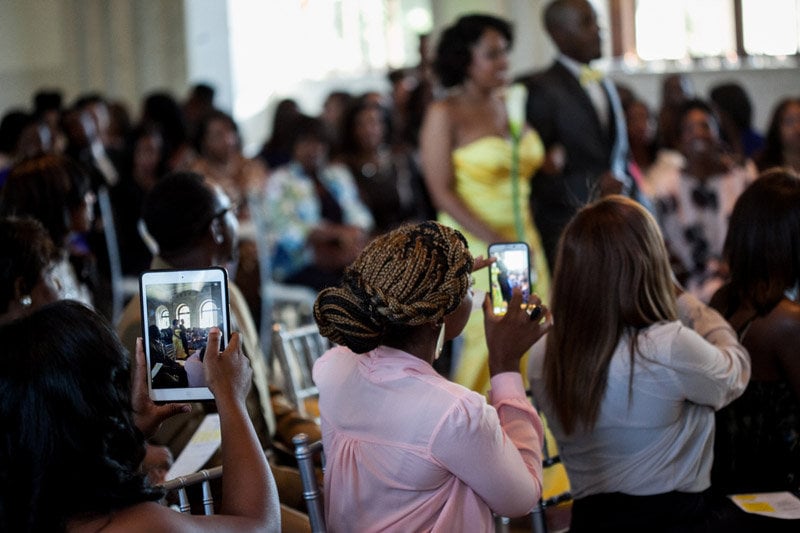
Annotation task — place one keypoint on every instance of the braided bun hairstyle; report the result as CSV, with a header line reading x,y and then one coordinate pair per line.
x,y
411,276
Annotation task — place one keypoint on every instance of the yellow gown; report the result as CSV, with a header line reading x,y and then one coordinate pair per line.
x,y
483,182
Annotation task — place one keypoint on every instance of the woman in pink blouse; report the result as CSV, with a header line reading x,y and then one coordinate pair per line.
x,y
406,449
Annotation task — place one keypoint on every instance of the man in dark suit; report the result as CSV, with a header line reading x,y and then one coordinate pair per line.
x,y
578,114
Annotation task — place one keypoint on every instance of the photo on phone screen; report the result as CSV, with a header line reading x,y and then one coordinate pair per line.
x,y
179,307
511,269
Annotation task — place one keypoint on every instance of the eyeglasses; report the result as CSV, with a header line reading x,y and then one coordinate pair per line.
x,y
232,208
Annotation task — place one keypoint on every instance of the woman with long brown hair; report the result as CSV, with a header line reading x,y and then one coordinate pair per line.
x,y
629,376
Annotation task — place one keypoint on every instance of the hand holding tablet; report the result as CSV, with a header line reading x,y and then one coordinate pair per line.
x,y
179,307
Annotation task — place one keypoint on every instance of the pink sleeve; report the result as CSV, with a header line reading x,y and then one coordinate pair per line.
x,y
498,457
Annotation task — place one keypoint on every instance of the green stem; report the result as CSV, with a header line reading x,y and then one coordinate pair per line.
x,y
515,189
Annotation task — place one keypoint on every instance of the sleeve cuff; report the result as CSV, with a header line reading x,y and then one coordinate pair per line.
x,y
506,386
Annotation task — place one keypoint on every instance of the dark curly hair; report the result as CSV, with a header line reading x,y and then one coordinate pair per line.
x,y
27,253
48,188
69,448
411,276
454,52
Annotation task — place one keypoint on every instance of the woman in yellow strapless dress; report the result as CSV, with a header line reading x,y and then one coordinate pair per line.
x,y
482,171
466,151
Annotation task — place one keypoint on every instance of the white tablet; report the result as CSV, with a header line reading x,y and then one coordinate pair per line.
x,y
179,307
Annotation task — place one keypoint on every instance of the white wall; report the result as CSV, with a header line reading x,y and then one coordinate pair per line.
x,y
123,48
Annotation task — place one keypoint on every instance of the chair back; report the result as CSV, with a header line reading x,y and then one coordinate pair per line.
x,y
122,287
291,305
203,478
296,350
304,452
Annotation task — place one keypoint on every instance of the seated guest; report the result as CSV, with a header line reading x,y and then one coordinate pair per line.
x,y
74,432
757,446
736,113
171,373
220,158
694,199
389,181
629,378
204,233
406,449
56,191
313,211
26,268
782,144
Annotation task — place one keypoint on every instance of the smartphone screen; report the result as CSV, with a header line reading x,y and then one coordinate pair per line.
x,y
179,307
511,269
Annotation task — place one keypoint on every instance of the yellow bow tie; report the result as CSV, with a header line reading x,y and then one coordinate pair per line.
x,y
590,75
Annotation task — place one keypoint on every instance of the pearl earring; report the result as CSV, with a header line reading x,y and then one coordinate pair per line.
x,y
439,343
26,300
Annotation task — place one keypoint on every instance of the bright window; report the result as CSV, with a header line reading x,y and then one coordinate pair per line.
x,y
163,317
274,45
684,28
209,314
771,27
184,315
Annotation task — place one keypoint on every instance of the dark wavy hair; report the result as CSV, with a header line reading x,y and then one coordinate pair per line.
x,y
27,253
762,247
48,188
772,153
69,446
414,275
454,52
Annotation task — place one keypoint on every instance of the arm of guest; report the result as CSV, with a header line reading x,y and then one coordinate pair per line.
x,y
497,449
711,366
436,141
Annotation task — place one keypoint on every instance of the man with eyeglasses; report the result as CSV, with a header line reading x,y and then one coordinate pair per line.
x,y
203,232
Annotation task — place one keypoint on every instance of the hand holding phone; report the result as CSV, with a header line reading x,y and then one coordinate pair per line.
x,y
512,268
179,308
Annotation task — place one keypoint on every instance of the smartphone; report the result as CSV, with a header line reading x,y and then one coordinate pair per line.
x,y
512,268
179,307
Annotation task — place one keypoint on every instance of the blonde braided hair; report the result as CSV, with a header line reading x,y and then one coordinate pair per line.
x,y
413,275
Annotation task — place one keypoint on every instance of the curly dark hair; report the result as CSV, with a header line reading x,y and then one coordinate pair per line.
x,y
454,52
47,187
27,253
69,446
411,276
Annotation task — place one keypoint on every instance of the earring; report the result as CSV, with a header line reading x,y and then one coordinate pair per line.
x,y
26,300
439,343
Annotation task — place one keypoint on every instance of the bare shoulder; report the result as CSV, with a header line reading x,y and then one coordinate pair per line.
x,y
151,516
786,317
440,111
